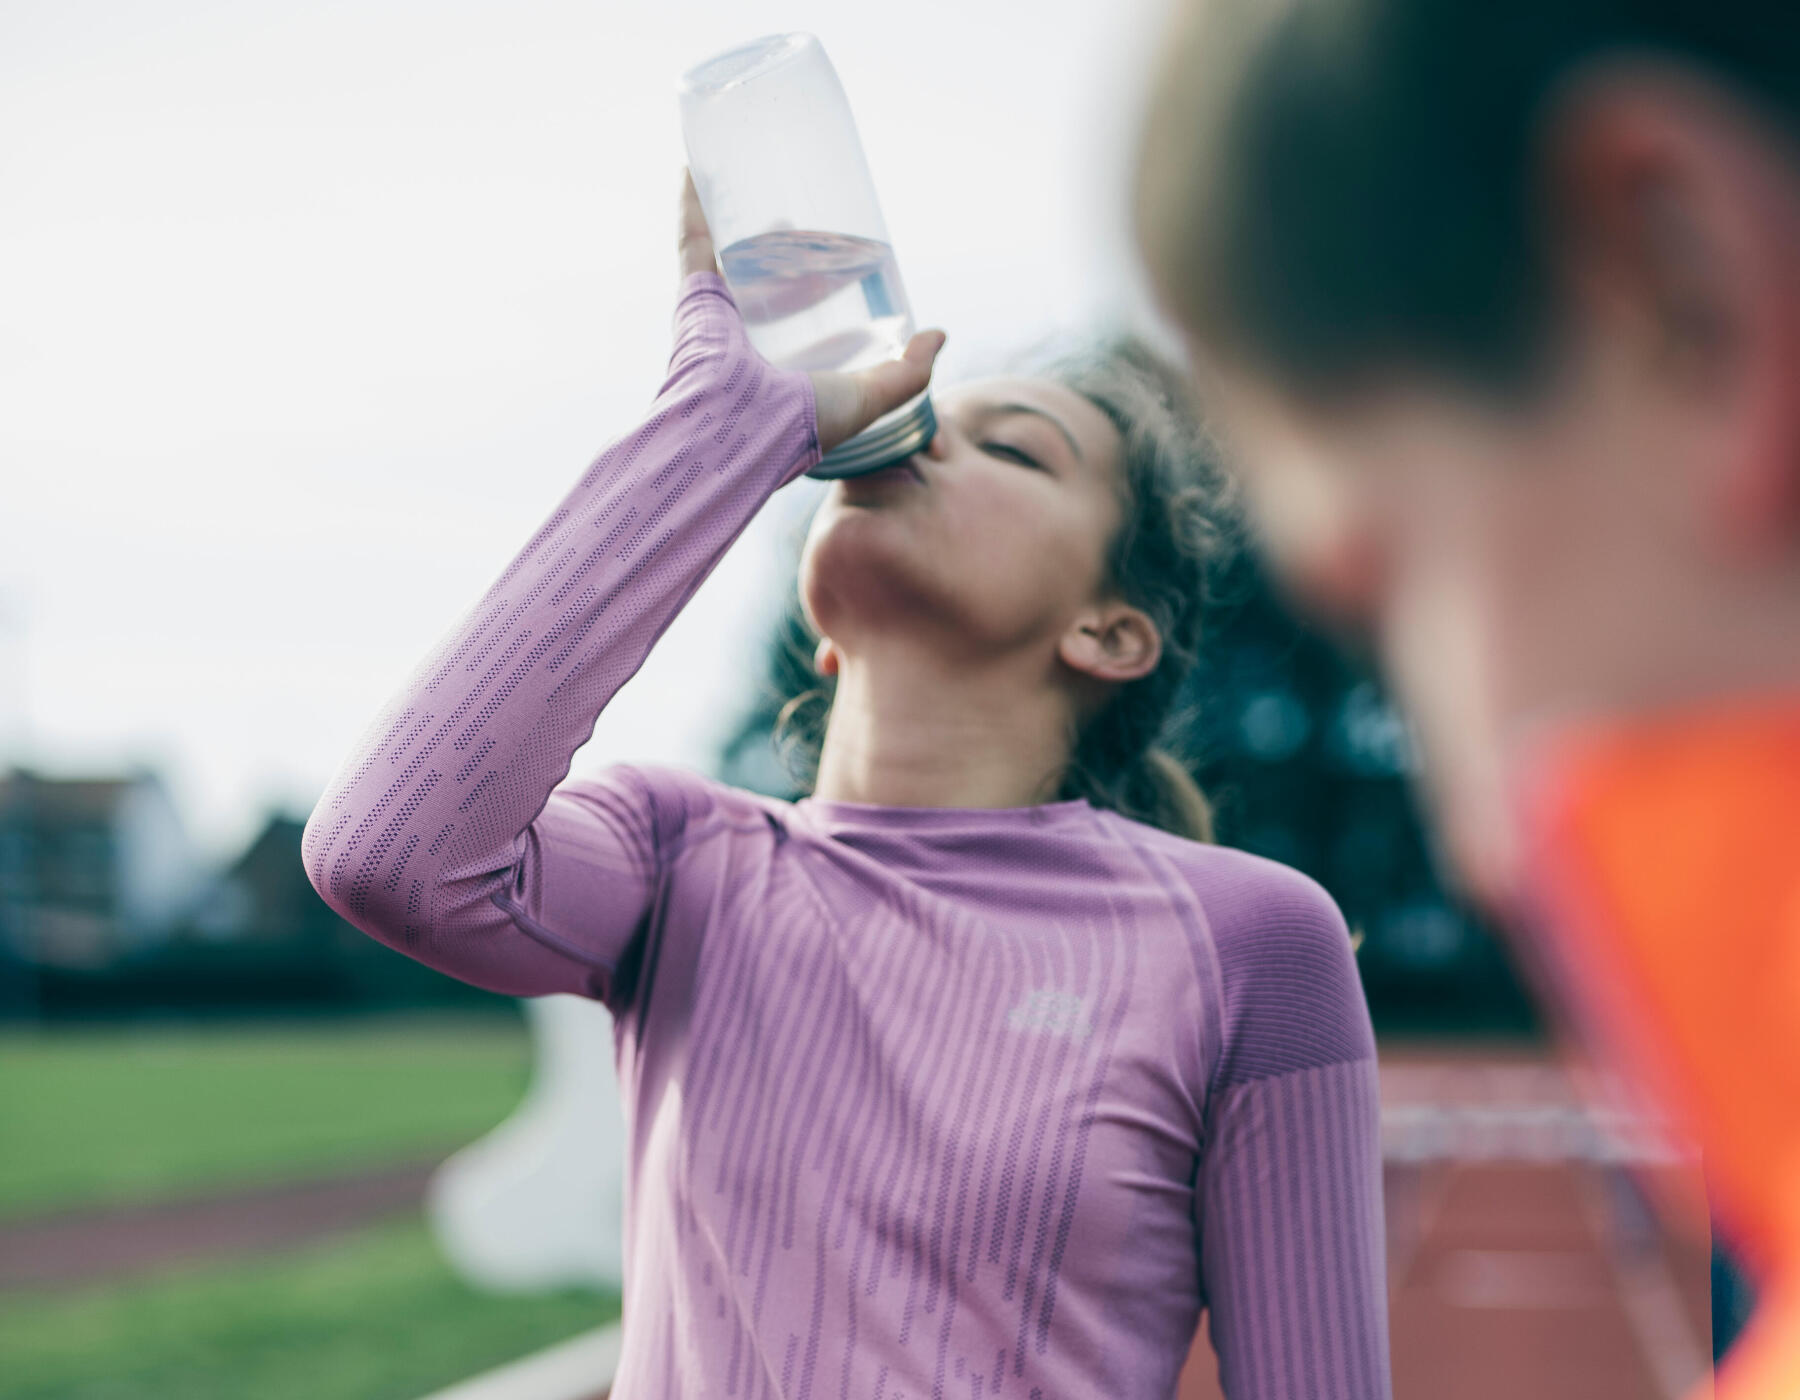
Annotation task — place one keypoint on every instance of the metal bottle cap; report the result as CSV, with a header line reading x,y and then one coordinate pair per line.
x,y
887,440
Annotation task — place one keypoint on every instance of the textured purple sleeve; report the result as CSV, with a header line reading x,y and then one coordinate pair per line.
x,y
1293,1248
445,834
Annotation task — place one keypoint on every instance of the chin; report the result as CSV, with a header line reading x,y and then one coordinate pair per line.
x,y
863,566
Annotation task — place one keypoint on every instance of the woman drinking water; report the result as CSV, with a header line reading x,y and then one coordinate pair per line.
x,y
971,1073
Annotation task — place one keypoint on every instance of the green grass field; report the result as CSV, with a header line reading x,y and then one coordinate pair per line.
x,y
376,1316
103,1117
92,1117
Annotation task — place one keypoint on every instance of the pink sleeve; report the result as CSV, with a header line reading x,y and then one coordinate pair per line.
x,y
1293,1246
446,834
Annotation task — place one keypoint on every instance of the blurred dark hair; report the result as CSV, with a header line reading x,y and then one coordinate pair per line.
x,y
1331,189
1129,757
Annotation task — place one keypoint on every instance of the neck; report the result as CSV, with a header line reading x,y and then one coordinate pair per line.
x,y
908,731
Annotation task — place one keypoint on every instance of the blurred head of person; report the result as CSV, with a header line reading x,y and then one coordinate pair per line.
x,y
1496,308
1041,565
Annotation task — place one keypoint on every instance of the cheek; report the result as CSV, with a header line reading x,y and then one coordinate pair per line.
x,y
1023,545
1496,542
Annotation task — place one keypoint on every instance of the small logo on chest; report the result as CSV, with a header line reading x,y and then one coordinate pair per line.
x,y
1048,1012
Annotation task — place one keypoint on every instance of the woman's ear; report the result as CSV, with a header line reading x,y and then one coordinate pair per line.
x,y
1111,642
825,658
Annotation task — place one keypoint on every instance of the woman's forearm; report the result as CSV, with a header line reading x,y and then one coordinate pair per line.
x,y
428,818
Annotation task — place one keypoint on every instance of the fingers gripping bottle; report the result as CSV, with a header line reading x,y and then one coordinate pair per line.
x,y
780,172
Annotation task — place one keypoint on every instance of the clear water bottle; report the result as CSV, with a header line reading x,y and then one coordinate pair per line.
x,y
781,175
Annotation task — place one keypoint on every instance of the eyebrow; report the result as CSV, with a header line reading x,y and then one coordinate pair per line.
x,y
1068,437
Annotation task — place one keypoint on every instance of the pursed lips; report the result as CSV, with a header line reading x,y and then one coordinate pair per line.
x,y
907,467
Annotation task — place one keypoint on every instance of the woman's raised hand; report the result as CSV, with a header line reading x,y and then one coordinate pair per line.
x,y
846,403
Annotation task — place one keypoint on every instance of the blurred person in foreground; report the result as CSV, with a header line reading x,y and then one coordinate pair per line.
x,y
978,1070
1497,308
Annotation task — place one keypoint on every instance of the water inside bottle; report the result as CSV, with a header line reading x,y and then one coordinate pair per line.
x,y
819,300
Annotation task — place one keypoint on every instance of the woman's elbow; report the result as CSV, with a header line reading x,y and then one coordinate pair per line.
x,y
389,910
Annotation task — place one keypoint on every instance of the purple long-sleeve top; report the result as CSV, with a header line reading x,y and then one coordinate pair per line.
x,y
921,1102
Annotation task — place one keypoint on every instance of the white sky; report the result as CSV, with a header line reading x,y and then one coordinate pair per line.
x,y
312,310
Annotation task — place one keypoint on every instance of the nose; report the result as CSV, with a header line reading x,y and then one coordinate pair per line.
x,y
1339,578
1315,531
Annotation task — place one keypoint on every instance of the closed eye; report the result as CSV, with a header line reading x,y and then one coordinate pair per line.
x,y
1001,449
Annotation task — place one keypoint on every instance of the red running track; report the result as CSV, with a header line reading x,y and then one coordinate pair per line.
x,y
1525,1261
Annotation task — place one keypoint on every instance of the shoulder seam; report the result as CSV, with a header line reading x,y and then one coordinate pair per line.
x,y
1302,1069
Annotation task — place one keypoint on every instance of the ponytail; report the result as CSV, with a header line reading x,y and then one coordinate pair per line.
x,y
1154,787
1175,801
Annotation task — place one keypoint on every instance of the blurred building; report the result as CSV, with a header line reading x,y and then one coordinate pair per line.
x,y
260,935
264,896
106,910
92,870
